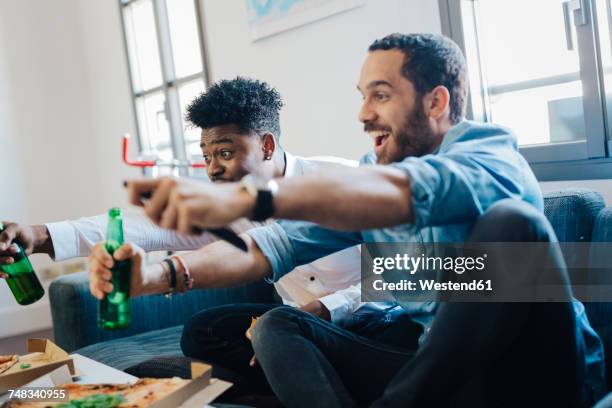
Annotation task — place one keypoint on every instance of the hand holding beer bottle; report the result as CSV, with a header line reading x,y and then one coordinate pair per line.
x,y
115,307
18,271
145,280
117,273
33,239
100,264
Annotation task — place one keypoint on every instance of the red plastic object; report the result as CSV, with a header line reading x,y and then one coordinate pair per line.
x,y
149,163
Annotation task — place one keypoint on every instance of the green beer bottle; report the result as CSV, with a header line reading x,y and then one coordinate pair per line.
x,y
115,308
21,277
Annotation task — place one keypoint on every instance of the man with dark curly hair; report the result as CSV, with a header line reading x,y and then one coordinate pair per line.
x,y
239,119
239,107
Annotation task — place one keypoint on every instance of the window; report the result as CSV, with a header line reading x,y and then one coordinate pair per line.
x,y
542,68
165,48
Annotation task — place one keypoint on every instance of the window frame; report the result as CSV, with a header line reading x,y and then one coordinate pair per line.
x,y
170,83
574,160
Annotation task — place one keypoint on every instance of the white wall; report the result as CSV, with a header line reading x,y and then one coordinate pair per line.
x,y
69,99
37,131
64,103
11,168
13,205
110,101
50,106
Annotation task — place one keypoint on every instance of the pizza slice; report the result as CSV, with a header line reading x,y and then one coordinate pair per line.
x,y
7,361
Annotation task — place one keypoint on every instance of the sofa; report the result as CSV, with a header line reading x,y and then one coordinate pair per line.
x,y
150,346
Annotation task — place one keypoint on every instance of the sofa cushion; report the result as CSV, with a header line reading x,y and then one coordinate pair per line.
x,y
572,214
74,309
162,367
130,351
602,231
600,313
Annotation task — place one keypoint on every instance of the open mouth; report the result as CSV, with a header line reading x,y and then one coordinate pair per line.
x,y
379,137
221,180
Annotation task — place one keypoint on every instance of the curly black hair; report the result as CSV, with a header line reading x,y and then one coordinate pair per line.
x,y
431,60
250,104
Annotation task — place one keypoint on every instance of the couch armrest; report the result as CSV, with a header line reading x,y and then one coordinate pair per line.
x,y
74,310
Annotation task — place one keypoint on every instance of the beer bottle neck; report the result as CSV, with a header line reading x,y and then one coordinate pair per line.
x,y
114,232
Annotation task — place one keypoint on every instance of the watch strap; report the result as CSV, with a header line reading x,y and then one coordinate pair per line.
x,y
264,205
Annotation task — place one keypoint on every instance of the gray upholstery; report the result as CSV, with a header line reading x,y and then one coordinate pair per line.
x,y
600,313
126,352
572,213
74,310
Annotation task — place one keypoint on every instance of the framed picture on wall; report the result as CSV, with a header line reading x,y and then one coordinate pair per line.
x,y
269,17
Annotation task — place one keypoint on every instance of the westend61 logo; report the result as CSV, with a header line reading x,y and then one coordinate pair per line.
x,y
413,264
485,271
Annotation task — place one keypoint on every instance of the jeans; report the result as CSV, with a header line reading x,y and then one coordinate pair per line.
x,y
217,336
476,354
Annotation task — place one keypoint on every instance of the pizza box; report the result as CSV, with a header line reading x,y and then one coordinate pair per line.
x,y
44,356
52,367
198,392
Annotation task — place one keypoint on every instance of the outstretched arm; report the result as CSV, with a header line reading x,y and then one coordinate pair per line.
x,y
216,265
273,251
76,238
343,199
347,199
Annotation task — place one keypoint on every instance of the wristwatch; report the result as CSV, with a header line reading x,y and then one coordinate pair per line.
x,y
263,190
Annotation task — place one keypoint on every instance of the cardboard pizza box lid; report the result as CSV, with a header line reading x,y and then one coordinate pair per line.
x,y
208,394
200,374
44,356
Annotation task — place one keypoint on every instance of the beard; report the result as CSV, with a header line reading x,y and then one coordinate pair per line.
x,y
415,139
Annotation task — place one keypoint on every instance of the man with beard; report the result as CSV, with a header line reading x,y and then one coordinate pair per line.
x,y
438,178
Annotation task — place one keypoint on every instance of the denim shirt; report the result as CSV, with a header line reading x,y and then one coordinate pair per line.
x,y
475,166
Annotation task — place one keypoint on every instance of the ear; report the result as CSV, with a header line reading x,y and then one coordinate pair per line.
x,y
268,145
437,102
